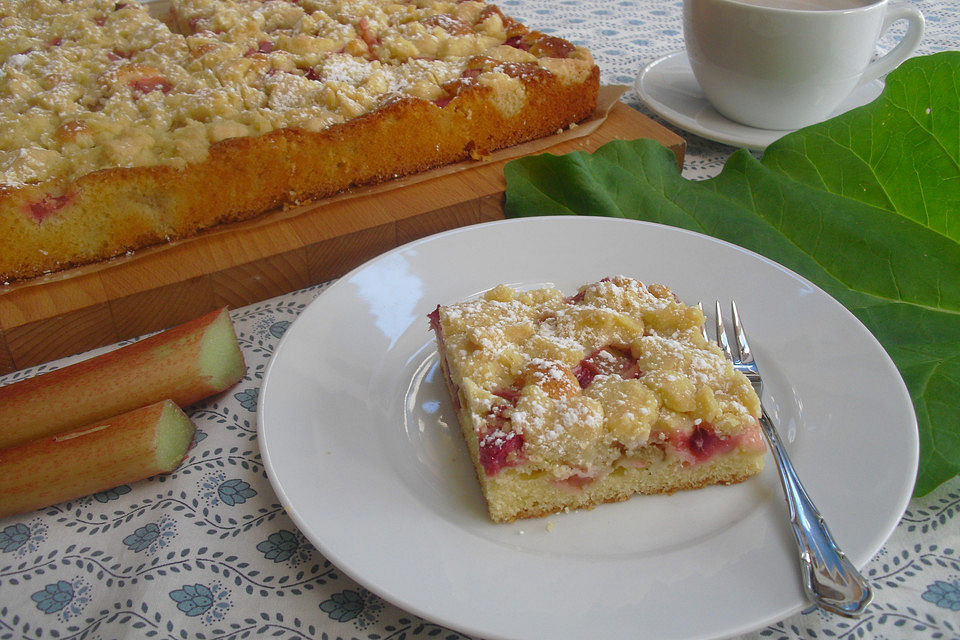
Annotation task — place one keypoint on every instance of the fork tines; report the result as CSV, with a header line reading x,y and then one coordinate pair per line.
x,y
743,354
721,332
746,356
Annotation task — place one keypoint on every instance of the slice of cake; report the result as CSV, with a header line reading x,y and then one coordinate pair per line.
x,y
569,402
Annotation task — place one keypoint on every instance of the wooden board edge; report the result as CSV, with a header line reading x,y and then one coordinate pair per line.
x,y
323,242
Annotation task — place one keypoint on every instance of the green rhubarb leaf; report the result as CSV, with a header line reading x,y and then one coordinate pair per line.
x,y
866,205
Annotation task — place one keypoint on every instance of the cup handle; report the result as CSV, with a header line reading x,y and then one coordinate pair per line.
x,y
906,46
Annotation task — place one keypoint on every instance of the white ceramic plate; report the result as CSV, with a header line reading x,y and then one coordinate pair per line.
x,y
670,89
361,445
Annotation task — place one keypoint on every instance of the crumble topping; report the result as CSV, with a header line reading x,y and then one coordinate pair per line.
x,y
575,385
94,84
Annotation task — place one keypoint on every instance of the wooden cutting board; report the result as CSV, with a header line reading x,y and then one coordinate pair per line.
x,y
168,285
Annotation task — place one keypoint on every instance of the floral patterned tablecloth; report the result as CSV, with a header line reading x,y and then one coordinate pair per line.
x,y
208,552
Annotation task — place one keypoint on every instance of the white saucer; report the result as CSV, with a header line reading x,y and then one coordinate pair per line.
x,y
669,88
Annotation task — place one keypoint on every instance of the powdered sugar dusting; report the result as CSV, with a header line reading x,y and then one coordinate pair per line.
x,y
357,57
18,60
520,352
347,68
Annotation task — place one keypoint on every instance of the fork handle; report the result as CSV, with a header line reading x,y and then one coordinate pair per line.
x,y
829,579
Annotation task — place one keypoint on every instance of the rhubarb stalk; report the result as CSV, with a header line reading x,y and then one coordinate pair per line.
x,y
186,364
100,456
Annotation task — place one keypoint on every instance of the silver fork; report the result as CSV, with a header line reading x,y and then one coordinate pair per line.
x,y
829,579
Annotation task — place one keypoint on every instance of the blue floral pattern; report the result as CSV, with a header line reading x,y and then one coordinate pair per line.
x,y
286,545
111,494
277,329
53,597
193,599
343,606
217,489
209,552
248,399
153,535
235,491
13,537
23,538
358,606
944,594
65,598
142,537
198,600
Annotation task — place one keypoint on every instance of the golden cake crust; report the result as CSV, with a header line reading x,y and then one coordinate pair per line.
x,y
531,88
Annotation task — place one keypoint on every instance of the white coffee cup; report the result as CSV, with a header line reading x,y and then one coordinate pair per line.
x,y
785,64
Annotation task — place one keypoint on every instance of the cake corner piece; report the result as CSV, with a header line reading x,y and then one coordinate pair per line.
x,y
571,401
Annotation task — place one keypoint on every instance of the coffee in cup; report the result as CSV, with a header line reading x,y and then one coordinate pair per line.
x,y
785,64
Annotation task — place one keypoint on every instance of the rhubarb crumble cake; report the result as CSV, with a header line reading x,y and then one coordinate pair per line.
x,y
119,130
569,402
